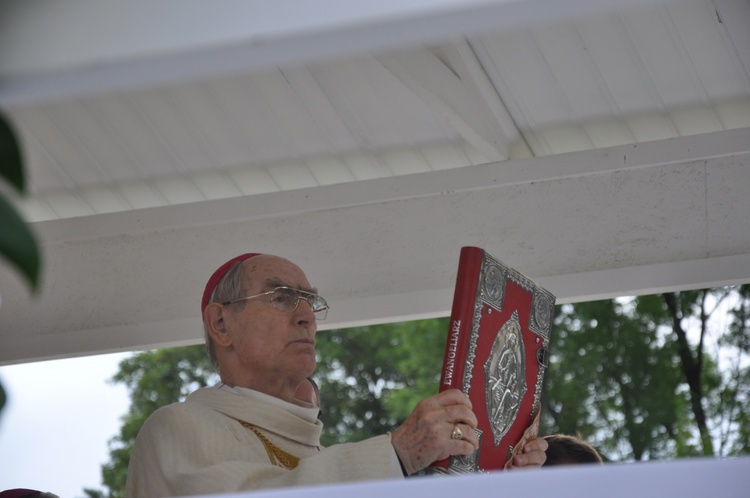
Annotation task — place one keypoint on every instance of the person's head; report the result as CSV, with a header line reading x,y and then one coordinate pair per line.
x,y
26,493
259,323
567,450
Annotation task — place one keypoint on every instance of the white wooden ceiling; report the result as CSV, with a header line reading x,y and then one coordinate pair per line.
x,y
602,147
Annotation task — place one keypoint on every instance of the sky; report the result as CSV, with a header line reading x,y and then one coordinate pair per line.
x,y
55,427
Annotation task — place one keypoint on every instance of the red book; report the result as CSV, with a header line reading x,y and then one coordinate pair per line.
x,y
496,353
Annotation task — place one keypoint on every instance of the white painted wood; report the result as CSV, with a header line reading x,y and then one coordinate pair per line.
x,y
460,93
618,221
178,150
320,108
683,478
463,60
433,82
58,51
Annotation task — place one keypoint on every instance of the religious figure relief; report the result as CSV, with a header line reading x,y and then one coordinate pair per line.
x,y
543,308
494,287
505,379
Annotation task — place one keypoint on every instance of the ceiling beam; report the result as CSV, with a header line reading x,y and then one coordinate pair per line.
x,y
460,56
451,98
625,220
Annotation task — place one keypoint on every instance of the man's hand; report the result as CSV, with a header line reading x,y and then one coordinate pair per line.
x,y
533,455
425,436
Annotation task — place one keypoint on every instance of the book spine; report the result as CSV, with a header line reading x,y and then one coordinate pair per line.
x,y
462,316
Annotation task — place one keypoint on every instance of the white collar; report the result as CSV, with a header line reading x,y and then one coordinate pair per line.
x,y
305,411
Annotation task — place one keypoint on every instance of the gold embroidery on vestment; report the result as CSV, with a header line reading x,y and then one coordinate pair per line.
x,y
278,457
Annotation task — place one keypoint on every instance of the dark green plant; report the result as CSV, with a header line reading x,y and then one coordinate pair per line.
x,y
17,243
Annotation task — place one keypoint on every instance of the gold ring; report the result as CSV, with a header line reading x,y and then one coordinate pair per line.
x,y
457,433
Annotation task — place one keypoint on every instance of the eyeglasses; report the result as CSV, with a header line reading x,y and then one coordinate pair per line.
x,y
287,299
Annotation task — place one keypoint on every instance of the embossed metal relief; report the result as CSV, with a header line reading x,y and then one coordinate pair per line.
x,y
505,379
542,311
493,286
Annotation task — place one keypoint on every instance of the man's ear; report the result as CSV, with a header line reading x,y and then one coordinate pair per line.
x,y
214,316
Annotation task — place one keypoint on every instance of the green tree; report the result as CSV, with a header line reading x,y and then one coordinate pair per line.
x,y
637,377
611,380
729,405
616,376
371,377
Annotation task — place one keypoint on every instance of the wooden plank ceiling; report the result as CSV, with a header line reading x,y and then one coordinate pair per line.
x,y
603,148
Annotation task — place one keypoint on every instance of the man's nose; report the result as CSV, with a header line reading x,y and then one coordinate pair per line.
x,y
304,314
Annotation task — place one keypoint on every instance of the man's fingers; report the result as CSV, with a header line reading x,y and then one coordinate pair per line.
x,y
452,397
462,448
458,414
530,460
440,426
533,455
450,406
538,444
468,435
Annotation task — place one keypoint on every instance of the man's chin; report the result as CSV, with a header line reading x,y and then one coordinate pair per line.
x,y
306,356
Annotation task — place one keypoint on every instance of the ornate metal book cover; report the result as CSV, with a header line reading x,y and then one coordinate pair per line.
x,y
496,352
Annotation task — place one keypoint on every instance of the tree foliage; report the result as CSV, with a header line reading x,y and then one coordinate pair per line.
x,y
154,379
371,377
612,380
651,377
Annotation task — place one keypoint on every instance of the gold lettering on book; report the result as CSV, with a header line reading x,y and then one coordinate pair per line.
x,y
450,362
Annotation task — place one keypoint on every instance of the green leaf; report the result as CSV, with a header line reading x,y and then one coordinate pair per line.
x,y
18,244
3,397
11,166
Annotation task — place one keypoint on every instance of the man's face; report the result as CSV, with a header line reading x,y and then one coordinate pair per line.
x,y
272,347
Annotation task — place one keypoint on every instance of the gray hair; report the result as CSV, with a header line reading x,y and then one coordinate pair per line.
x,y
230,287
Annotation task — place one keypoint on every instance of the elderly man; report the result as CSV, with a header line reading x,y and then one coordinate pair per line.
x,y
250,431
